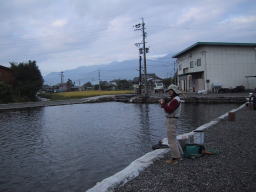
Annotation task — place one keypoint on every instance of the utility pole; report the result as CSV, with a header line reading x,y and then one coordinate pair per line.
x,y
144,57
99,79
61,77
174,71
143,50
140,75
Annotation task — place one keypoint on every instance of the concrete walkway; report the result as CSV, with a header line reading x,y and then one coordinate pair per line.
x,y
232,169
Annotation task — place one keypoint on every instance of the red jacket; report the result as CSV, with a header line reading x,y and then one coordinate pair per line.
x,y
171,106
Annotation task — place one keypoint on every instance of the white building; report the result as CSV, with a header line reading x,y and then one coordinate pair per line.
x,y
206,65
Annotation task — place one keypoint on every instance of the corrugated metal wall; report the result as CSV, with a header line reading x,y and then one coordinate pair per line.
x,y
227,66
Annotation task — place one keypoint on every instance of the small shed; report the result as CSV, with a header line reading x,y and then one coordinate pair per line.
x,y
6,75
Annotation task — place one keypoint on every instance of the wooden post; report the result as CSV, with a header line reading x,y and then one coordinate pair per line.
x,y
231,116
250,105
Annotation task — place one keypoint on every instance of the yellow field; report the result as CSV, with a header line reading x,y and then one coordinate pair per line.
x,y
82,94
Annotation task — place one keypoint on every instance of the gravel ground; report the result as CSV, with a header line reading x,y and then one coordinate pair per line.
x,y
232,169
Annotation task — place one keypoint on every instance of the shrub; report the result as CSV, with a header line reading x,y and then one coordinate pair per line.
x,y
5,93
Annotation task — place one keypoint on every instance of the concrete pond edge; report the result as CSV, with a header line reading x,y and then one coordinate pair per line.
x,y
138,165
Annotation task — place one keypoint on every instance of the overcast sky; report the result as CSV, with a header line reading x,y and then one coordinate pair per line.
x,y
65,34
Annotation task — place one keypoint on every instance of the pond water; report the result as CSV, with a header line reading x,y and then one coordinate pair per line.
x,y
71,147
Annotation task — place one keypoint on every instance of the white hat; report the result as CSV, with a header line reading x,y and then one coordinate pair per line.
x,y
174,88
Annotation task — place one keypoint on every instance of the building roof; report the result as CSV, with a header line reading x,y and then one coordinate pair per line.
x,y
5,68
213,44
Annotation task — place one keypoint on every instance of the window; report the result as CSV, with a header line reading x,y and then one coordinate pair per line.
x,y
180,67
198,62
191,64
185,70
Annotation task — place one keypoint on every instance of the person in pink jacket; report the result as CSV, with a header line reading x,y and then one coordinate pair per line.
x,y
172,109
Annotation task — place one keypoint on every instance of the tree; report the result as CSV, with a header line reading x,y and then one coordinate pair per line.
x,y
28,79
123,84
5,92
105,85
87,85
69,84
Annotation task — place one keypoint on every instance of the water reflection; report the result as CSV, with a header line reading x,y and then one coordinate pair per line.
x,y
20,145
144,132
70,148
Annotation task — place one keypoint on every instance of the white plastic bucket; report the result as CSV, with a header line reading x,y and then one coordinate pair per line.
x,y
199,137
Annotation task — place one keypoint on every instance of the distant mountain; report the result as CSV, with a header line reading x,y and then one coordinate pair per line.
x,y
162,67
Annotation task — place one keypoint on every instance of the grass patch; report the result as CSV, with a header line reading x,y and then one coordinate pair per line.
x,y
82,94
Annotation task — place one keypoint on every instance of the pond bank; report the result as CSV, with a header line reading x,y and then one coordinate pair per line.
x,y
198,98
96,99
131,98
232,169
